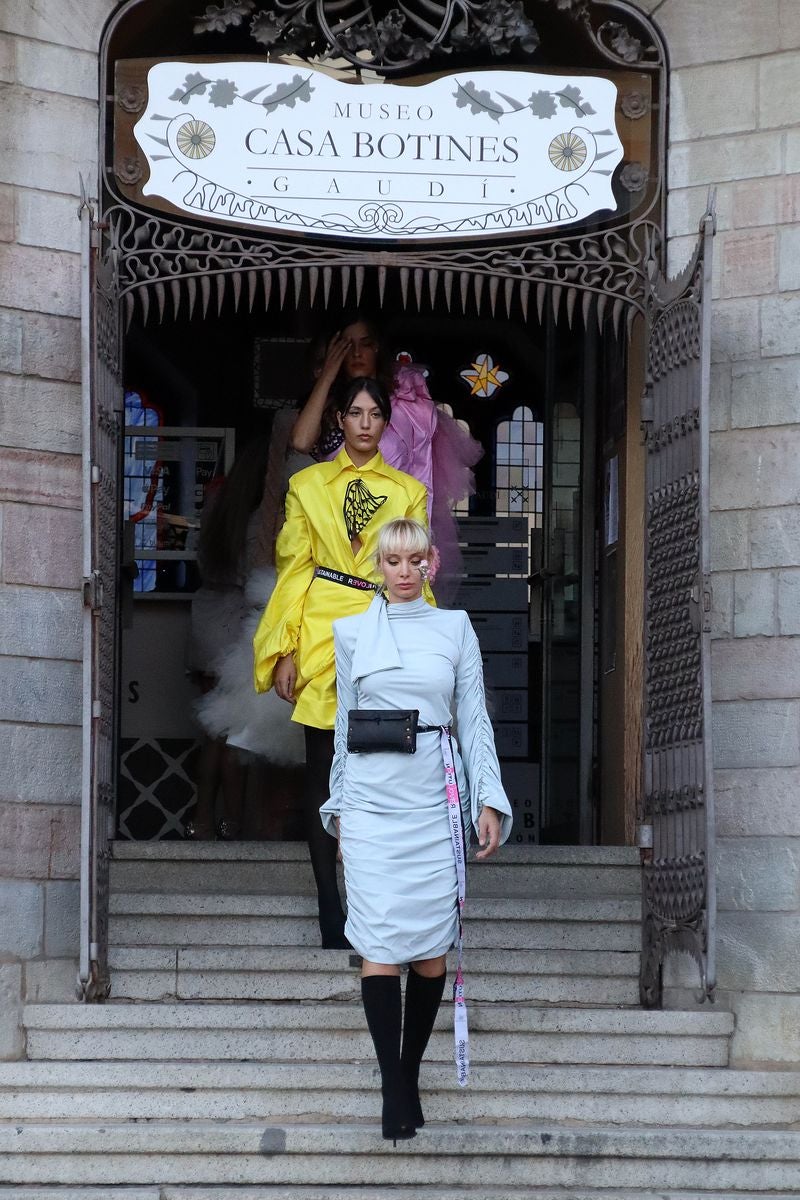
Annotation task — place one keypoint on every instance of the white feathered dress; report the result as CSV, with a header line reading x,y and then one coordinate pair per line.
x,y
399,867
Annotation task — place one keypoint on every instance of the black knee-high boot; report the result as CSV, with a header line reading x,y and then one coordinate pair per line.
x,y
423,997
321,846
382,1005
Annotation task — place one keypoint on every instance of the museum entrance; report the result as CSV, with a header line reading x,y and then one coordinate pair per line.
x,y
539,537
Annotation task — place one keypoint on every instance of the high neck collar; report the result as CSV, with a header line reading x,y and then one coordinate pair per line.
x,y
407,608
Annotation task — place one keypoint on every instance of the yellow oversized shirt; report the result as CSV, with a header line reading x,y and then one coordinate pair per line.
x,y
298,618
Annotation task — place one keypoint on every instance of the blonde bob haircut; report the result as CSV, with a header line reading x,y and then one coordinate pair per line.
x,y
402,536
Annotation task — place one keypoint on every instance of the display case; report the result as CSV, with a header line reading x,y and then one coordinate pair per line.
x,y
169,473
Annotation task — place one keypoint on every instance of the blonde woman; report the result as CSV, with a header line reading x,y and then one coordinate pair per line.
x,y
393,809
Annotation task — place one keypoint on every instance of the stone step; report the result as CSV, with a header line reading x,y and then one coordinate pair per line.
x,y
283,868
710,1097
281,1192
335,1032
295,973
300,1154
219,919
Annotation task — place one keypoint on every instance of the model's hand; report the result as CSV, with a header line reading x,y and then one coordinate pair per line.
x,y
284,678
488,832
335,355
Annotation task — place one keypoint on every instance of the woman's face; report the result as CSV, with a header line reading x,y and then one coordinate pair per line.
x,y
361,360
403,574
363,425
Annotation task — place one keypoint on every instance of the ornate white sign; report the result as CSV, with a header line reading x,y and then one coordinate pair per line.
x,y
464,156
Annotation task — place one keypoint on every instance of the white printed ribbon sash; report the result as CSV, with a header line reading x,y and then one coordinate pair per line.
x,y
459,853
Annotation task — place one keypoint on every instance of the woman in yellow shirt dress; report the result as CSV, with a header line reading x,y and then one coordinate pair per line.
x,y
326,569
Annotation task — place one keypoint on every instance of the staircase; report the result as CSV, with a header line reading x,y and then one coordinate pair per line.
x,y
233,1062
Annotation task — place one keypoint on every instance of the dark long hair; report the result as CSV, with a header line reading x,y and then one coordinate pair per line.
x,y
377,394
223,526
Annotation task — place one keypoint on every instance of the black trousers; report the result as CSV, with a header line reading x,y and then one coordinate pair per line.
x,y
321,846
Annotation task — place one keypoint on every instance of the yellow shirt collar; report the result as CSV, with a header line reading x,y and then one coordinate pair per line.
x,y
343,462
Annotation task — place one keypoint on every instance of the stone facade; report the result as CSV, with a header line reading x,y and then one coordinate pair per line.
x,y
734,124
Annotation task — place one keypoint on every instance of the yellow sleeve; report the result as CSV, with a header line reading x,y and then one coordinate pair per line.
x,y
278,631
419,512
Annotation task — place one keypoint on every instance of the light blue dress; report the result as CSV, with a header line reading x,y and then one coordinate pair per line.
x,y
399,867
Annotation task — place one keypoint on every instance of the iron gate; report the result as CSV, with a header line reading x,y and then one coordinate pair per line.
x,y
677,825
102,419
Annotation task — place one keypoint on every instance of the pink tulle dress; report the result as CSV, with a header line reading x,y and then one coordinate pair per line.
x,y
428,444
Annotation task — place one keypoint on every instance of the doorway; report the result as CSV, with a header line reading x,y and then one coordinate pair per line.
x,y
545,400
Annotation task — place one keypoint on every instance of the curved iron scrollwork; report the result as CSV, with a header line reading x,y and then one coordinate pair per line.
x,y
163,261
400,38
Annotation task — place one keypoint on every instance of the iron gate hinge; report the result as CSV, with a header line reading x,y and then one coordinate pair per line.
x,y
93,591
708,603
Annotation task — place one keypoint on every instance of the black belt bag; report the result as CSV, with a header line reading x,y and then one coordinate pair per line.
x,y
370,730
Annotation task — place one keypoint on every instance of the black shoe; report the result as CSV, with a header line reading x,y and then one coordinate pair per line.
x,y
413,1103
396,1118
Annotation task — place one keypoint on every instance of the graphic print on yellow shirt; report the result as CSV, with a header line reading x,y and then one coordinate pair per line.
x,y
316,533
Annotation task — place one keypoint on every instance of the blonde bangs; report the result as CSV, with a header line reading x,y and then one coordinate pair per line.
x,y
402,536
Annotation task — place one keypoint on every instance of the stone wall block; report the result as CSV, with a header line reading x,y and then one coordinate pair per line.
x,y
65,842
61,925
789,602
40,622
38,414
39,280
789,18
51,347
777,93
729,541
70,23
24,841
735,330
50,981
780,325
8,58
749,264
47,220
7,213
42,546
41,764
758,951
36,477
11,1035
21,918
753,668
765,202
756,733
720,396
792,150
709,100
55,68
789,260
765,393
761,874
694,35
10,344
740,156
41,690
63,131
775,537
767,1032
757,804
755,468
722,605
754,604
